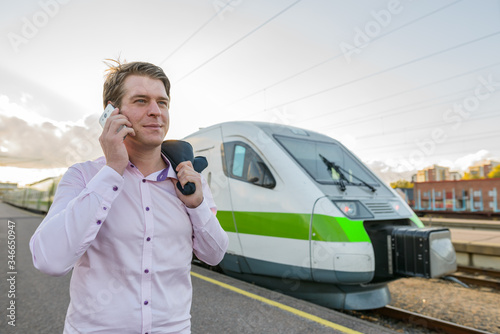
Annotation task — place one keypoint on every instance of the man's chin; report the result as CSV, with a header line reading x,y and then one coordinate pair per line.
x,y
147,143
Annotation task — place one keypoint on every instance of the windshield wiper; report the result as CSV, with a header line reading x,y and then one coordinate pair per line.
x,y
340,170
331,165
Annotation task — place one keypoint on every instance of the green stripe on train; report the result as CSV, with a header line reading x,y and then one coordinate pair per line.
x,y
417,220
294,226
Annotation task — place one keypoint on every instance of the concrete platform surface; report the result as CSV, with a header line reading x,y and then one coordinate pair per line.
x,y
222,304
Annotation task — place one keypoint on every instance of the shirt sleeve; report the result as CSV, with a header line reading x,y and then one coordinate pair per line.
x,y
74,219
210,241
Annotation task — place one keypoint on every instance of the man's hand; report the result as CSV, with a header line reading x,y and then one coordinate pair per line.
x,y
112,141
185,174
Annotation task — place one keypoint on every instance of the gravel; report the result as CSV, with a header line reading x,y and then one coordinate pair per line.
x,y
474,307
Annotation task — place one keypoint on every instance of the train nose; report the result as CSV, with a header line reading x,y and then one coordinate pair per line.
x,y
443,257
423,252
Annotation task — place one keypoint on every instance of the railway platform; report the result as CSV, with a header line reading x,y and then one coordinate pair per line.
x,y
471,224
477,248
222,304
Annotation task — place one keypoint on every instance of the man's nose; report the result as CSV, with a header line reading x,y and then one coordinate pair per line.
x,y
154,109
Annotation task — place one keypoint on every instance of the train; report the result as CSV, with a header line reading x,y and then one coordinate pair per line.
x,y
307,218
304,216
36,197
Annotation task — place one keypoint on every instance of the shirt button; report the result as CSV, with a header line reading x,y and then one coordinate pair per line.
x,y
148,239
104,208
147,208
143,180
146,271
131,165
146,302
115,188
99,222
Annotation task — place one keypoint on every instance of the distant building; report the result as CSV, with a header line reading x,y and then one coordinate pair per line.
x,y
455,176
433,173
406,194
482,169
436,173
462,196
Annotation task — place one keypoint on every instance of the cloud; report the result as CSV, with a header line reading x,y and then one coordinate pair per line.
x,y
34,101
468,160
46,145
388,173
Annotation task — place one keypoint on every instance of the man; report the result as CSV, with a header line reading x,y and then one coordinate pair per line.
x,y
121,223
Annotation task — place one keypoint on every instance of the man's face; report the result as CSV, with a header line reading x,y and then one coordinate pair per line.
x,y
145,104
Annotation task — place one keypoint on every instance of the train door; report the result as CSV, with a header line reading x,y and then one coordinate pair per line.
x,y
209,145
254,200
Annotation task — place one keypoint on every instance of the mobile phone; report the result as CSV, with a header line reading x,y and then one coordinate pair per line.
x,y
105,115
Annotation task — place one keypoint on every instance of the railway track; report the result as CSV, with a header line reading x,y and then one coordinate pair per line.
x,y
427,322
476,277
479,271
470,275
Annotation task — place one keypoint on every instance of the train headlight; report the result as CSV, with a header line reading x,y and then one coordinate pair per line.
x,y
353,209
400,208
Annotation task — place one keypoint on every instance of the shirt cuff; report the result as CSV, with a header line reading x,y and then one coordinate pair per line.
x,y
107,183
200,215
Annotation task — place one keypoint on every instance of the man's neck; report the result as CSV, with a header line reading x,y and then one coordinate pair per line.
x,y
147,161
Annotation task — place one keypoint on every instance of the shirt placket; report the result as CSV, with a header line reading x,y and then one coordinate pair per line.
x,y
147,258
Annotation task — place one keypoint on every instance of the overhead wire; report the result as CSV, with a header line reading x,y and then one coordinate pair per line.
x,y
404,145
485,115
323,62
434,124
385,70
329,113
196,32
401,109
341,54
441,154
238,41
404,108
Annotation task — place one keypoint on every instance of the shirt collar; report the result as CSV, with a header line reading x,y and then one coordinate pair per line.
x,y
162,175
167,172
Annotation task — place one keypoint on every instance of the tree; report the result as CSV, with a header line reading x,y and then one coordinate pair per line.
x,y
470,176
402,184
494,173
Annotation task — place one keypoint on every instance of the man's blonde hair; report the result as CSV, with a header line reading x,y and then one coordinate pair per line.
x,y
117,73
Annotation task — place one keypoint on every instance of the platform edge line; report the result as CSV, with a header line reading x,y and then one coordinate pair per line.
x,y
278,305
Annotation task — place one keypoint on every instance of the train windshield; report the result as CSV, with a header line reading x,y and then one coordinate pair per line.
x,y
309,154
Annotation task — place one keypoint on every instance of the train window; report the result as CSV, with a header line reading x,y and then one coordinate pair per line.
x,y
241,162
308,154
238,160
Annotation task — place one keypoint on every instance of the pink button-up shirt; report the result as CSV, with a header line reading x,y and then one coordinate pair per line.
x,y
129,241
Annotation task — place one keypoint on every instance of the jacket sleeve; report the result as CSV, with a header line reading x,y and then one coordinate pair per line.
x,y
210,241
74,219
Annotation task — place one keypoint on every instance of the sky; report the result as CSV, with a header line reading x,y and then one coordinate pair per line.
x,y
404,84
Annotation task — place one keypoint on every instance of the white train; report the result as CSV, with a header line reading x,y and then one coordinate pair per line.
x,y
306,217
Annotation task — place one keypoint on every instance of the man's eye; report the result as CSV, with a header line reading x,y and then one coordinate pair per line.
x,y
140,101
